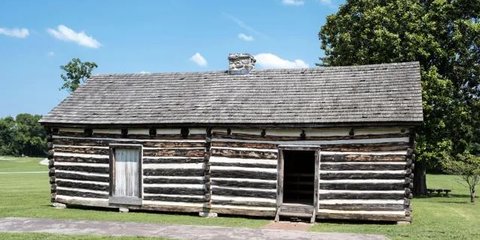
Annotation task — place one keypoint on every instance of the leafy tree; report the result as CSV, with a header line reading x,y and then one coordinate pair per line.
x,y
444,36
30,136
22,136
468,167
7,135
76,73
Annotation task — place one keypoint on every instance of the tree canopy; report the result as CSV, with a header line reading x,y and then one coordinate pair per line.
x,y
22,135
444,36
468,168
76,73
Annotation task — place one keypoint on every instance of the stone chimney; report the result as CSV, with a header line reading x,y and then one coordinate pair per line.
x,y
240,63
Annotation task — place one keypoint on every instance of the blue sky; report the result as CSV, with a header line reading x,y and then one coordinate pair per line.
x,y
36,37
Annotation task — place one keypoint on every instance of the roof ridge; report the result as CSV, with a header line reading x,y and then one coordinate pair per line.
x,y
293,70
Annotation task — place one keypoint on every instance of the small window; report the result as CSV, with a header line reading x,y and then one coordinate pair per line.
x,y
126,174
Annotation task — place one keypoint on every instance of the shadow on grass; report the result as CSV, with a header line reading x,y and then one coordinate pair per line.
x,y
462,202
449,196
462,196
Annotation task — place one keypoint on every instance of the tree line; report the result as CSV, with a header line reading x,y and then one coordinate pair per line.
x,y
22,135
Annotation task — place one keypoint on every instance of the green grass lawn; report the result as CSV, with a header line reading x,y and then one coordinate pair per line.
x,y
28,195
433,218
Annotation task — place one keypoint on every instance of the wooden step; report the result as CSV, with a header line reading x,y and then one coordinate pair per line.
x,y
296,208
295,214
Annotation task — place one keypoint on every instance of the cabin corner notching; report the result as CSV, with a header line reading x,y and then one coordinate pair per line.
x,y
348,155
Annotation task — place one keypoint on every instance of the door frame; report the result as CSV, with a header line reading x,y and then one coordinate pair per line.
x,y
119,200
281,170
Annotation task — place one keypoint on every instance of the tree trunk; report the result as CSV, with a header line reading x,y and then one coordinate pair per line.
x,y
472,195
420,179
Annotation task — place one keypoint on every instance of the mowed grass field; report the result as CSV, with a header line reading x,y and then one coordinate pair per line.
x,y
437,218
25,192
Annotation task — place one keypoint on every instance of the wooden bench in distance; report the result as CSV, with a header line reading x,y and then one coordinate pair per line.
x,y
439,192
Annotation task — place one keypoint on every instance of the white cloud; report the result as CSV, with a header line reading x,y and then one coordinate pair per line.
x,y
245,37
199,59
269,60
15,32
293,2
66,34
144,72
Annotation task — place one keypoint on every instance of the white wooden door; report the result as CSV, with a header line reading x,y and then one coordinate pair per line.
x,y
127,169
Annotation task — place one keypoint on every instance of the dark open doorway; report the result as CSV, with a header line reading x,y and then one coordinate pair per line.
x,y
299,176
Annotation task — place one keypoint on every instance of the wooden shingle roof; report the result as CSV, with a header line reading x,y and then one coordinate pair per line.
x,y
324,95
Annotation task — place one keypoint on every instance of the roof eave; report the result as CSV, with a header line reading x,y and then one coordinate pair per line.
x,y
254,125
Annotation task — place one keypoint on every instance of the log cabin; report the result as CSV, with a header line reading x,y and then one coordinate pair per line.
x,y
316,143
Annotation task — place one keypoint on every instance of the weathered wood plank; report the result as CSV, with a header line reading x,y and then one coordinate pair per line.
x,y
174,166
243,203
239,183
165,206
325,143
338,166
92,169
82,150
243,136
363,207
80,176
220,143
362,186
147,160
173,180
239,192
82,201
105,142
361,195
362,157
392,216
246,165
175,198
243,153
368,147
174,190
236,173
399,174
173,153
78,184
73,193
173,172
80,159
117,135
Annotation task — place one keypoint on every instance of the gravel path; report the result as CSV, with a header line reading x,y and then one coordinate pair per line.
x,y
168,231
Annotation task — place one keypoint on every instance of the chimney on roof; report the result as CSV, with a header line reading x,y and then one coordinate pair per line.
x,y
240,63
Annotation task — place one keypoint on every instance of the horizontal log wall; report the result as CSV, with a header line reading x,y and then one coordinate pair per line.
x,y
173,167
243,174
364,173
357,184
